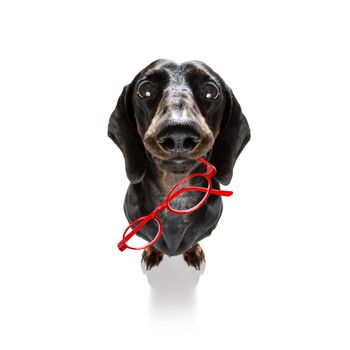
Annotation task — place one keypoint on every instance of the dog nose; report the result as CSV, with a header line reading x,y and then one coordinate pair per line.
x,y
178,141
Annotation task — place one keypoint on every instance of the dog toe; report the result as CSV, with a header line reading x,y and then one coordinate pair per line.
x,y
194,256
151,257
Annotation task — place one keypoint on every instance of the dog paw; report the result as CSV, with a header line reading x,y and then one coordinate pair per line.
x,y
194,256
151,257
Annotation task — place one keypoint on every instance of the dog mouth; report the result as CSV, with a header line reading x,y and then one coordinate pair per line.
x,y
177,165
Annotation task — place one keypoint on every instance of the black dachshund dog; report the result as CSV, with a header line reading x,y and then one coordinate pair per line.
x,y
167,117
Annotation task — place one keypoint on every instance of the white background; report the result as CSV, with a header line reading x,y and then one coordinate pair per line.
x,y
277,272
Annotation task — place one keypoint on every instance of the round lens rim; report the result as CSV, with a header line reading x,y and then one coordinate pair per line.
x,y
156,238
197,206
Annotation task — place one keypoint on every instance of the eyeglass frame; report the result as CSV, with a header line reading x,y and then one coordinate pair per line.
x,y
211,171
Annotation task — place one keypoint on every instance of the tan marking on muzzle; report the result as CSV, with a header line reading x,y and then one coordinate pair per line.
x,y
172,101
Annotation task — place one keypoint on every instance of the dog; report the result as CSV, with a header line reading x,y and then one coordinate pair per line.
x,y
165,119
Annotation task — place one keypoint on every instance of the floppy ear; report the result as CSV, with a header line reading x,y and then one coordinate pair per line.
x,y
122,130
234,135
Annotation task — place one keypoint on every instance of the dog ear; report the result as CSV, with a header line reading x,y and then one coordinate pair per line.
x,y
122,130
234,135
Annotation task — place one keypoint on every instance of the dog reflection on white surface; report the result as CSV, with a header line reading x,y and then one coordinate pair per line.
x,y
173,286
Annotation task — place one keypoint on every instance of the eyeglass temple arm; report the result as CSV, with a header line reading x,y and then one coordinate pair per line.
x,y
142,223
221,192
121,245
136,229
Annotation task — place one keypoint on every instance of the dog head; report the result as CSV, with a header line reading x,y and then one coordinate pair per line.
x,y
176,113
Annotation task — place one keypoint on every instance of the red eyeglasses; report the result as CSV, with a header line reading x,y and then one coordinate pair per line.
x,y
169,204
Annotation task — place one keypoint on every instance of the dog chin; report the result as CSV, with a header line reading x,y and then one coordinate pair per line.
x,y
177,166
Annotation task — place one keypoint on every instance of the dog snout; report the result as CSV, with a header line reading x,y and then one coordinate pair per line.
x,y
178,139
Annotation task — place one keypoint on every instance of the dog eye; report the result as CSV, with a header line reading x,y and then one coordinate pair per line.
x,y
211,91
145,90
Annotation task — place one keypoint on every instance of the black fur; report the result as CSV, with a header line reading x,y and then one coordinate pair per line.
x,y
128,126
